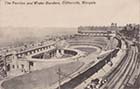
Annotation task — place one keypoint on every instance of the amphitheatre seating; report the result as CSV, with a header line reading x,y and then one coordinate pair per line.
x,y
102,46
100,42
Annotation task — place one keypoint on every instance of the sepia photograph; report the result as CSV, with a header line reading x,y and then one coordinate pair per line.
x,y
69,44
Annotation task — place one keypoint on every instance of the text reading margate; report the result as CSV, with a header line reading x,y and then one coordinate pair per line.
x,y
65,2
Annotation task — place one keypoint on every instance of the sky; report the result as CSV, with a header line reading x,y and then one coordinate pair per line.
x,y
104,12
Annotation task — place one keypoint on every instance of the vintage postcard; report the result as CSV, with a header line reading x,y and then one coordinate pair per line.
x,y
69,44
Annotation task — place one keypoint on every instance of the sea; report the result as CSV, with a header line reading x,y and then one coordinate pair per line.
x,y
20,35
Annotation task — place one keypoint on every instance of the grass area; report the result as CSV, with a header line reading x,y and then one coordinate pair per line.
x,y
87,49
66,55
41,79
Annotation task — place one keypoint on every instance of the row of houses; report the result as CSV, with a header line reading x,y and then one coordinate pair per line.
x,y
99,30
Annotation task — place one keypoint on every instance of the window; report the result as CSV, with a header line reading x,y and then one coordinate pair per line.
x,y
17,66
22,66
13,66
31,63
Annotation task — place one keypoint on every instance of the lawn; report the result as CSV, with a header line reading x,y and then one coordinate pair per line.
x,y
41,79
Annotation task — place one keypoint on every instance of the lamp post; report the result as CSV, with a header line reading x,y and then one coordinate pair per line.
x,y
59,76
